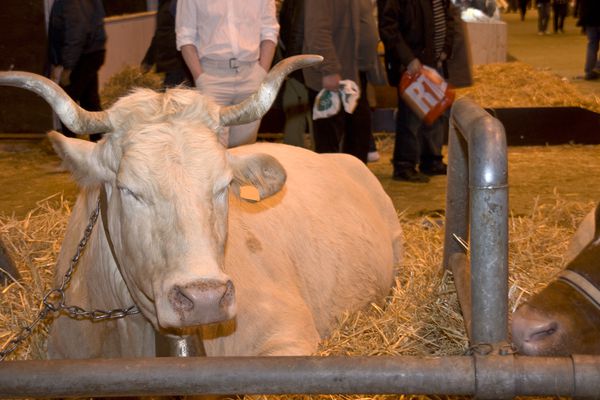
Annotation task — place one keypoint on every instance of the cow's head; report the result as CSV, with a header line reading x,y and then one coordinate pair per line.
x,y
167,181
564,318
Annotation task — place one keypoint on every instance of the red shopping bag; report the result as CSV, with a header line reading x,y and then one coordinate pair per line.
x,y
426,93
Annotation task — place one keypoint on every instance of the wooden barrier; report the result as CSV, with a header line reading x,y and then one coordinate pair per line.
x,y
128,38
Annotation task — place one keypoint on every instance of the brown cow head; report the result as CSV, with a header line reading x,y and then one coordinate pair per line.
x,y
564,318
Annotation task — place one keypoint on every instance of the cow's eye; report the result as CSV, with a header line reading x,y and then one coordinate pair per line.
x,y
128,192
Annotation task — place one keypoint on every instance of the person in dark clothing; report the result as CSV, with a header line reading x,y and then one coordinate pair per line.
x,y
77,41
295,93
589,20
332,29
416,33
163,48
291,31
559,11
523,9
543,7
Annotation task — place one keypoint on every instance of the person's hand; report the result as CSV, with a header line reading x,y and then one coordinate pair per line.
x,y
65,78
331,82
55,72
197,81
414,67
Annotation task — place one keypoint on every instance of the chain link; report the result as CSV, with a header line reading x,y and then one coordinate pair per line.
x,y
482,349
54,299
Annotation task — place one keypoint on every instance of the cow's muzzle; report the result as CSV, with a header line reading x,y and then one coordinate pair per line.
x,y
203,302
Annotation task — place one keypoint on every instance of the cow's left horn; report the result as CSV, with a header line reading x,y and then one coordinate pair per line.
x,y
257,105
74,117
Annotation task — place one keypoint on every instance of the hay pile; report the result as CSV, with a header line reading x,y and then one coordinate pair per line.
x,y
122,82
422,316
33,243
516,84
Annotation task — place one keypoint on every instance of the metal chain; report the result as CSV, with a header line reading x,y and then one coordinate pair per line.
x,y
481,349
54,299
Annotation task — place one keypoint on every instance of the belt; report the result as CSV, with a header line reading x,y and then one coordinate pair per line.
x,y
232,63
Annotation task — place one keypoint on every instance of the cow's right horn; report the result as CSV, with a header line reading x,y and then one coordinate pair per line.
x,y
257,105
70,113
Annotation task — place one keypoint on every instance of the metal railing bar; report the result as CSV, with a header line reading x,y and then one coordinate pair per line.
x,y
486,376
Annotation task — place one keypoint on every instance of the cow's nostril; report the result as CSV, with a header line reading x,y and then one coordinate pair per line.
x,y
229,295
179,300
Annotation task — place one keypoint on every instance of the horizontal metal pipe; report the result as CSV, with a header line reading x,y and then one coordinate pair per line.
x,y
483,376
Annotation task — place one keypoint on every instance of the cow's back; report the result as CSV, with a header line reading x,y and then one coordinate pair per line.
x,y
327,243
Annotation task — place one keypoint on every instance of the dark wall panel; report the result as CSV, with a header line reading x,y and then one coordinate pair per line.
x,y
22,47
119,7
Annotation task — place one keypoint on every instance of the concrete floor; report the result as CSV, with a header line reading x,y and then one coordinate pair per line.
x,y
562,53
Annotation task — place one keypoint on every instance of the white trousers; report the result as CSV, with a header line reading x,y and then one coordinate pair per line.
x,y
227,86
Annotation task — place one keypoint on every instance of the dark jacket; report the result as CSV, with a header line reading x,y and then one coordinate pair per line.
x,y
406,30
291,21
331,30
291,31
589,13
75,27
163,50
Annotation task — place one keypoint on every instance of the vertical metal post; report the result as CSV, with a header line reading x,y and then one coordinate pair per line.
x,y
8,270
488,181
479,138
457,194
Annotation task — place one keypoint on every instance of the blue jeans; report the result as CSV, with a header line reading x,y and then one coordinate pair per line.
x,y
591,56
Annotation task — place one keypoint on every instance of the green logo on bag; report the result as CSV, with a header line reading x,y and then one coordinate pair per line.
x,y
325,101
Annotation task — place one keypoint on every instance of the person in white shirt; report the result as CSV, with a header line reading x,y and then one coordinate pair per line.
x,y
228,46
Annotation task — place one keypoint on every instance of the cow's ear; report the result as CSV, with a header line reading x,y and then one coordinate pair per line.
x,y
260,173
80,159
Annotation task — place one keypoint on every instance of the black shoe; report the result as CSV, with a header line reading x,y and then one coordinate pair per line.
x,y
592,76
410,175
434,168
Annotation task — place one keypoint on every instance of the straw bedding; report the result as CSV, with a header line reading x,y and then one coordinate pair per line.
x,y
517,84
421,317
122,82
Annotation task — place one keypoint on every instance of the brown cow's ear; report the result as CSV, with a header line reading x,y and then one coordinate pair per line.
x,y
260,171
80,159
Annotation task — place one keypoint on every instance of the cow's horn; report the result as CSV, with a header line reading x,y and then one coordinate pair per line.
x,y
254,107
74,117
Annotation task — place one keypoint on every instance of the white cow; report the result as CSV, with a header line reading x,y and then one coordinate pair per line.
x,y
265,277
